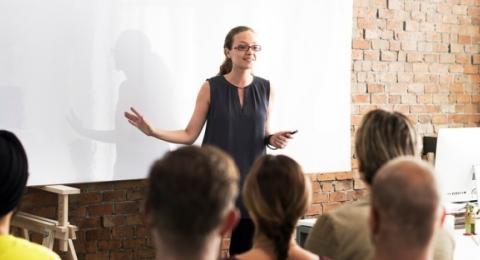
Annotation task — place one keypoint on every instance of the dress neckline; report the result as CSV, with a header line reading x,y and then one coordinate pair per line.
x,y
237,87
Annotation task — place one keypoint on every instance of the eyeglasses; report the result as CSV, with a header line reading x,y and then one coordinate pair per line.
x,y
244,47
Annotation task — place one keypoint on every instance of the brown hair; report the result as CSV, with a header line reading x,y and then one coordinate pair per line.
x,y
226,66
405,193
190,191
382,136
273,210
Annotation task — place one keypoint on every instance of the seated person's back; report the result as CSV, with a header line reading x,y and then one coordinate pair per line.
x,y
343,233
13,179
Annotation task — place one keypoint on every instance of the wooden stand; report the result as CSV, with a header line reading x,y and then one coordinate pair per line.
x,y
51,229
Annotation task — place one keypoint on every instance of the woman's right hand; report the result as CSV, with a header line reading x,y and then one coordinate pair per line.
x,y
137,120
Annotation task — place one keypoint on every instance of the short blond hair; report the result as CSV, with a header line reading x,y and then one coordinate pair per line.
x,y
383,136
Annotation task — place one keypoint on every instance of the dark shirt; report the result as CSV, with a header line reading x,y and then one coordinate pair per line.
x,y
236,129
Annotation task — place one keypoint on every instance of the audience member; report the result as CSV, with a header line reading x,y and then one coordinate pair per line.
x,y
276,194
405,210
191,202
343,233
13,179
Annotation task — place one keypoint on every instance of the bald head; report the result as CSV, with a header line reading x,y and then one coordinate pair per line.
x,y
405,198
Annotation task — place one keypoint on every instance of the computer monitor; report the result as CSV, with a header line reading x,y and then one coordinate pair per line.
x,y
457,157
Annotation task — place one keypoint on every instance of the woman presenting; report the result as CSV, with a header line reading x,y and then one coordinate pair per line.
x,y
236,106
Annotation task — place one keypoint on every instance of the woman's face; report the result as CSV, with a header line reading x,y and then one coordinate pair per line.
x,y
244,50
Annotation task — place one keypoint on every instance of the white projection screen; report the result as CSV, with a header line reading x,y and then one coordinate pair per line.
x,y
70,68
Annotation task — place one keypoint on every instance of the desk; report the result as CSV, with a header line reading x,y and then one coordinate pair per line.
x,y
465,246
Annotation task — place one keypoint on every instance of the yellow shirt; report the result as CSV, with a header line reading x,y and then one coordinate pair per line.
x,y
18,249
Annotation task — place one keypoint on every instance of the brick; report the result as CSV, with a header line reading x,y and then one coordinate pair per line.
x,y
360,44
118,195
464,39
100,210
314,209
455,68
114,221
110,244
375,88
370,34
388,55
414,57
327,186
372,55
438,68
378,99
343,185
416,88
326,207
89,197
470,69
127,207
320,197
394,99
476,59
425,99
97,256
361,98
420,67
462,58
411,26
447,58
394,45
357,54
457,88
123,231
440,99
359,184
395,4
133,243
409,45
380,44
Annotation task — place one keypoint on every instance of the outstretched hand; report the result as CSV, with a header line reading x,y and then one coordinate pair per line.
x,y
280,139
137,120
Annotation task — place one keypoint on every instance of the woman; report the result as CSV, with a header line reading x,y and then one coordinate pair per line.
x,y
235,104
344,233
275,211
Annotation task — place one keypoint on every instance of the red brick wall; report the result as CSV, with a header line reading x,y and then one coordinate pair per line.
x,y
417,57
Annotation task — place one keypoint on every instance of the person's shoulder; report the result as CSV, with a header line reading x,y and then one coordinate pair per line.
x,y
444,244
261,80
23,249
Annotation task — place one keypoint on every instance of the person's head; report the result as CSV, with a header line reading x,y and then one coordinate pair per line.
x,y
13,172
240,48
405,205
191,198
276,194
383,136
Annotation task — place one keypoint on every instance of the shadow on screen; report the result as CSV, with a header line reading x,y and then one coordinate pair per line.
x,y
148,87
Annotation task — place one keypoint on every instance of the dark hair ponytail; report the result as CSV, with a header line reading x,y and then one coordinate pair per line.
x,y
280,235
226,66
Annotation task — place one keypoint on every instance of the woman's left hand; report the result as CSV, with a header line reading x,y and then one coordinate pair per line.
x,y
280,139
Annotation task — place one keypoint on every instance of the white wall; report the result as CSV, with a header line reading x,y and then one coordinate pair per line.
x,y
69,68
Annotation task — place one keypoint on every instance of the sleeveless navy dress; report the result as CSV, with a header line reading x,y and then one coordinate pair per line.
x,y
236,129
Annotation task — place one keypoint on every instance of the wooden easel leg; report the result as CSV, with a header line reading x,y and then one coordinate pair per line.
x,y
71,250
49,240
25,234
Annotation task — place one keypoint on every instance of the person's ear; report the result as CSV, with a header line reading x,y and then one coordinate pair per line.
x,y
443,215
230,221
148,217
227,53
